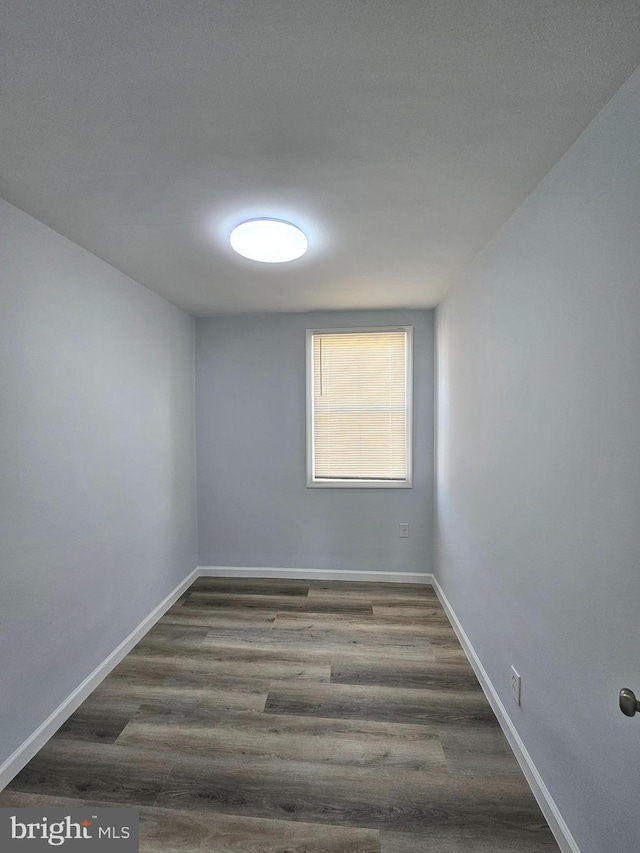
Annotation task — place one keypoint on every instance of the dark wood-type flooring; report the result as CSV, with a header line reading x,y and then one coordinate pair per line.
x,y
266,716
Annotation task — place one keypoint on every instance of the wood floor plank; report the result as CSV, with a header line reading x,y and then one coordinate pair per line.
x,y
241,654
396,644
183,627
203,668
103,771
497,839
390,672
235,617
175,831
477,752
206,733
448,649
317,634
336,603
373,590
427,614
175,636
410,612
319,643
331,597
231,693
376,797
160,643
379,630
391,600
172,831
101,723
249,586
392,704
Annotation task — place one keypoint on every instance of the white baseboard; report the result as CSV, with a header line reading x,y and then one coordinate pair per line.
x,y
313,574
34,743
560,830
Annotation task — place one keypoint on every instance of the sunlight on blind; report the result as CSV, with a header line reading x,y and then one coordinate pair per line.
x,y
360,405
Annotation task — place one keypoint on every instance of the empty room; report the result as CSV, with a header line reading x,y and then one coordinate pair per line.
x,y
319,426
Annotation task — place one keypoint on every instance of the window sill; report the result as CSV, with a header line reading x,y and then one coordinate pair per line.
x,y
359,484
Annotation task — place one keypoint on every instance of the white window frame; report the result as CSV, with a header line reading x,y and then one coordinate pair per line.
x,y
360,484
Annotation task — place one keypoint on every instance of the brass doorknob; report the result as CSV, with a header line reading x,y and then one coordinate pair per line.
x,y
628,702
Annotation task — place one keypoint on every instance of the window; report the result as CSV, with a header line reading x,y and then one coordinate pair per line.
x,y
359,407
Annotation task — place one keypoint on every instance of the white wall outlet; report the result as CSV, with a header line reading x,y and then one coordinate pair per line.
x,y
515,686
403,530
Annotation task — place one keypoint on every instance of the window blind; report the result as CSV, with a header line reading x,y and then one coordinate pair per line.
x,y
360,405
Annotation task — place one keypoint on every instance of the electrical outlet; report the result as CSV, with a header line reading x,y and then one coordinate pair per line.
x,y
403,530
515,686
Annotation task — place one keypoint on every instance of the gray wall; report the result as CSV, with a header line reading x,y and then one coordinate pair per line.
x,y
539,470
254,508
97,497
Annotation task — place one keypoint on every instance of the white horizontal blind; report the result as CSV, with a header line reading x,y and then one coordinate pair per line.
x,y
360,405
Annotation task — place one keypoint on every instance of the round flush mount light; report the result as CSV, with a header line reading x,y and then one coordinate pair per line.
x,y
271,241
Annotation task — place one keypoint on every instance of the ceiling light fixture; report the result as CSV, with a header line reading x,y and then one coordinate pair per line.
x,y
271,241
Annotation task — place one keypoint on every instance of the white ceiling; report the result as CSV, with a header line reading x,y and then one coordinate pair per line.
x,y
400,134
